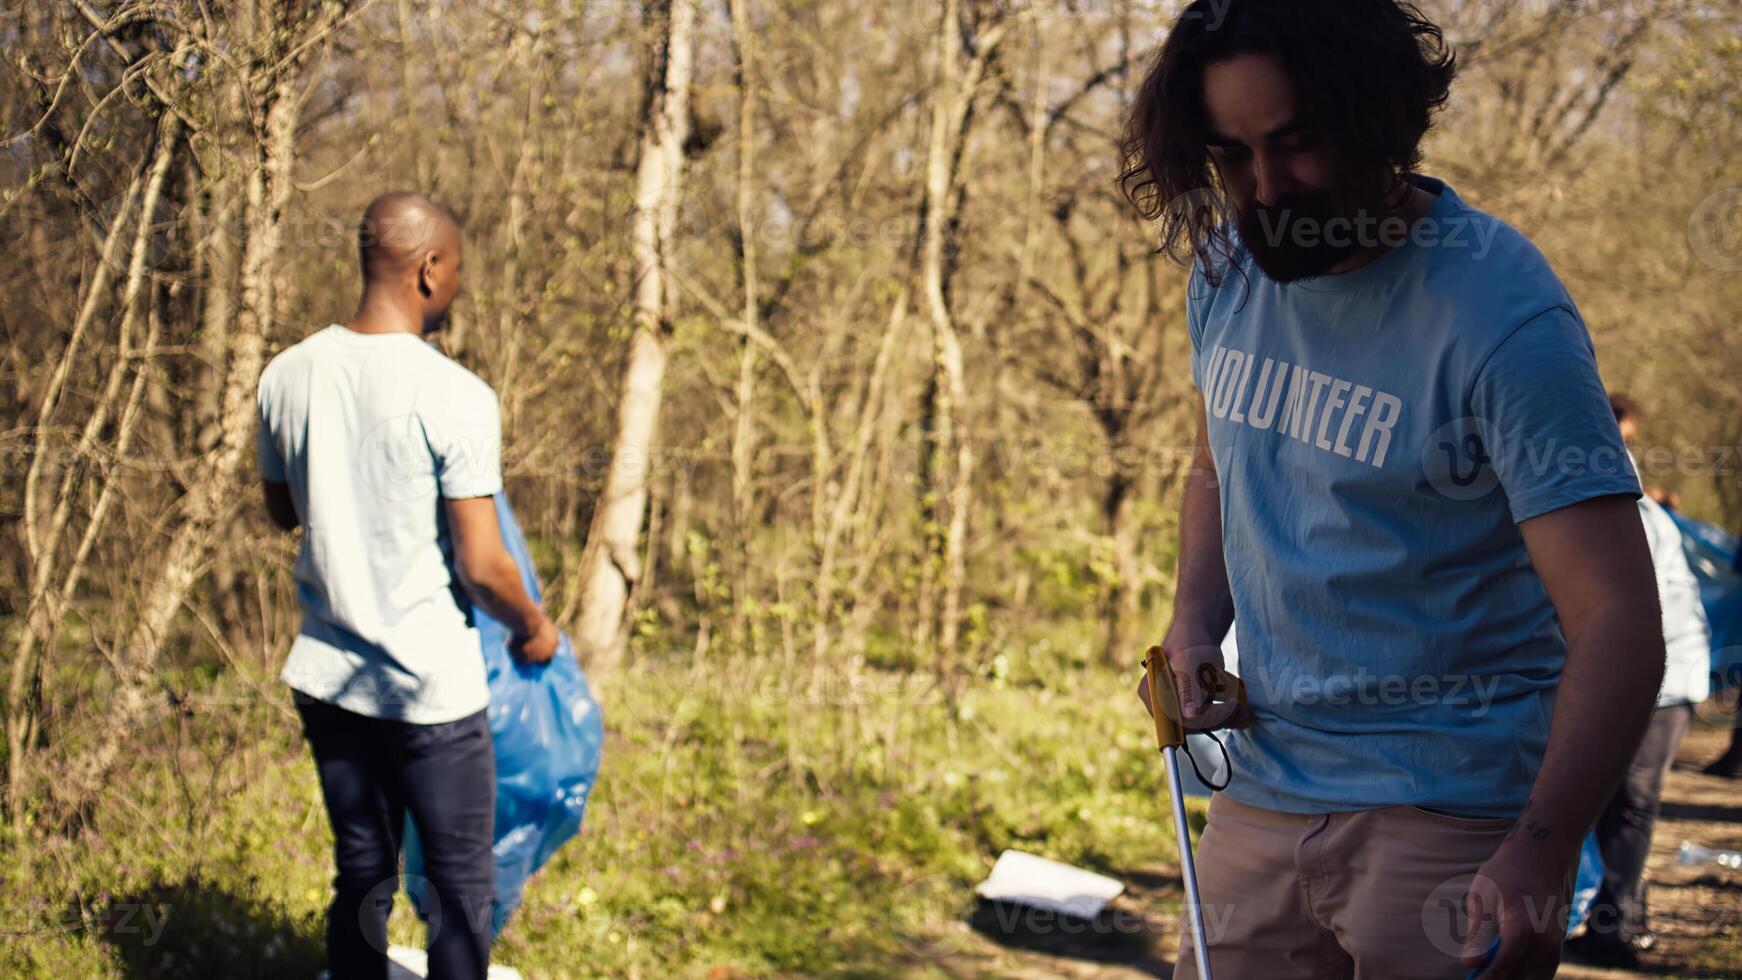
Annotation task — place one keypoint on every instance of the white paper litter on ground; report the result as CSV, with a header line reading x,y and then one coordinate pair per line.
x,y
1028,879
405,963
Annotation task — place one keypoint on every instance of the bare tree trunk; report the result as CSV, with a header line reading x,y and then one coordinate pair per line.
x,y
836,519
744,431
42,611
218,305
948,454
409,56
1121,602
836,488
508,333
610,566
211,497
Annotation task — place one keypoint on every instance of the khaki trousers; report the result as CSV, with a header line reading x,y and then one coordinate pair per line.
x,y
1370,895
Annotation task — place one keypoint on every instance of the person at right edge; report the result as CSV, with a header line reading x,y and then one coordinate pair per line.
x,y
1729,764
1409,488
1616,930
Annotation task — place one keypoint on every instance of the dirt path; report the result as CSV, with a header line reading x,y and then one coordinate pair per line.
x,y
1696,911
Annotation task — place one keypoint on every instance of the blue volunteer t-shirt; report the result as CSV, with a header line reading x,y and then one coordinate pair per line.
x,y
1378,437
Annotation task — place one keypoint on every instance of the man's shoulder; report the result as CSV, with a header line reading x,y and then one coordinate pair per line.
x,y
288,360
1486,281
453,380
406,364
309,348
1477,256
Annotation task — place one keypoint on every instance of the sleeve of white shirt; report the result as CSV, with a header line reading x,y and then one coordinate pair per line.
x,y
1687,636
467,442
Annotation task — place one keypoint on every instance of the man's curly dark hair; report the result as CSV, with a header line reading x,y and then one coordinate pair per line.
x,y
1368,76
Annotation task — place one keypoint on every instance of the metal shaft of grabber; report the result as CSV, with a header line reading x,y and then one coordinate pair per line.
x,y
1188,867
1170,736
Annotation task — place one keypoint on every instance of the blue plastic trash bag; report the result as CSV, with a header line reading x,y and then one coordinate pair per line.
x,y
1585,886
548,734
1711,555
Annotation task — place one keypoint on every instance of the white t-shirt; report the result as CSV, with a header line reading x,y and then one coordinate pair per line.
x,y
1687,638
371,431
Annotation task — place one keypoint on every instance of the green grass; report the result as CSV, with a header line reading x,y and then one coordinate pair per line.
x,y
748,821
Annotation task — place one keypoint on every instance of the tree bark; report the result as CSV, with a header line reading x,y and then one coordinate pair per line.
x,y
744,429
948,454
288,40
42,610
1121,604
610,566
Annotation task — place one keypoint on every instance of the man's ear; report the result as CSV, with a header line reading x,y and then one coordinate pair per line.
x,y
426,274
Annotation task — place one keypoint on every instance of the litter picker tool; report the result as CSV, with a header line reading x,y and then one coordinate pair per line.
x,y
1170,735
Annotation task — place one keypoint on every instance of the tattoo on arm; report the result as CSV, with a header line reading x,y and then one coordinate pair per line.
x,y
1529,825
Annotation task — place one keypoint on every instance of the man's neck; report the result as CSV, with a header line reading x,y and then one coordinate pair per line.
x,y
377,313
1414,207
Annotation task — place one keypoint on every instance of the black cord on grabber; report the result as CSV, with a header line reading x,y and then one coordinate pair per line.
x,y
1186,746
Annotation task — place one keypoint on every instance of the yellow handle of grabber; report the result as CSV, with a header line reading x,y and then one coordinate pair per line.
x,y
1164,701
1170,735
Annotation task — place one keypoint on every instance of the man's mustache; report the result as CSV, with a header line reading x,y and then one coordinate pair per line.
x,y
1276,221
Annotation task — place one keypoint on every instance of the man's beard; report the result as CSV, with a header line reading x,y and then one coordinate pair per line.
x,y
1305,234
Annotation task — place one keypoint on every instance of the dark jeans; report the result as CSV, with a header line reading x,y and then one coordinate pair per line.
x,y
1624,828
372,771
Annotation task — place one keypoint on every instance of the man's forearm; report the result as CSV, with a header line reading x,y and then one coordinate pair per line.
x,y
1608,687
1203,608
499,590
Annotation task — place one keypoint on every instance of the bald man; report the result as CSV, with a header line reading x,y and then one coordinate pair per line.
x,y
387,454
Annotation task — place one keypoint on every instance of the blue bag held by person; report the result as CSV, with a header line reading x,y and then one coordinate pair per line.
x,y
1587,884
1712,555
548,734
